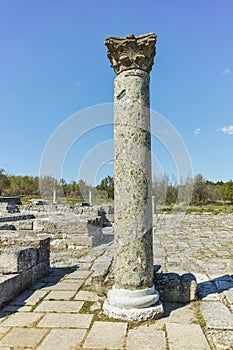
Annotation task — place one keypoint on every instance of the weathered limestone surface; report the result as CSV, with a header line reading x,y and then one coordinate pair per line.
x,y
23,338
22,265
19,258
133,206
217,315
109,335
15,260
181,336
146,340
132,59
222,339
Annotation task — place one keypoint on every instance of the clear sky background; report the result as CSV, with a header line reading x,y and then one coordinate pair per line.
x,y
53,64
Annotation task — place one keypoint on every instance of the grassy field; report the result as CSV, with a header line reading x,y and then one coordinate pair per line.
x,y
217,208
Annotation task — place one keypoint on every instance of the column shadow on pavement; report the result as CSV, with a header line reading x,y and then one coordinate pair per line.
x,y
214,286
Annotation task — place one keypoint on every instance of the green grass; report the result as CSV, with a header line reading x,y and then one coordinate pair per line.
x,y
86,308
199,318
215,209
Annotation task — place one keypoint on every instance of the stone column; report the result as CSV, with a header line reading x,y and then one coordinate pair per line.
x,y
133,296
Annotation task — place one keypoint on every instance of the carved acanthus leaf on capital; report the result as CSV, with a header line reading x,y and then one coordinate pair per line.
x,y
131,52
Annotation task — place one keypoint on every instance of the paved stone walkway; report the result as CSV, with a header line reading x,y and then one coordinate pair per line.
x,y
62,312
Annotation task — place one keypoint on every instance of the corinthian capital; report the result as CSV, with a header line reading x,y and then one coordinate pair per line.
x,y
131,52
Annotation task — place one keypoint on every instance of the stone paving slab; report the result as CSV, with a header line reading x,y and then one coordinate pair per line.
x,y
35,297
222,340
84,265
65,285
186,336
63,339
146,340
228,294
78,274
65,320
178,313
59,306
23,337
106,335
60,295
86,295
217,315
21,319
4,330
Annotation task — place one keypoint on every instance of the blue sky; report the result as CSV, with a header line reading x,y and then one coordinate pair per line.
x,y
53,64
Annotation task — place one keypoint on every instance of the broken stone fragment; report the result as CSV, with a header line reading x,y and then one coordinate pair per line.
x,y
175,288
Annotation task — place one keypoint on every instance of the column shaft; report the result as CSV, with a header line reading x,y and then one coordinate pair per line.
x,y
133,206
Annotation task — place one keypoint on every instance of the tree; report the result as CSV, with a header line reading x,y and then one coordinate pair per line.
x,y
171,195
4,181
107,184
200,195
228,191
159,189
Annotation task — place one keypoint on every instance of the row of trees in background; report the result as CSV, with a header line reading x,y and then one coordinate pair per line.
x,y
11,185
196,191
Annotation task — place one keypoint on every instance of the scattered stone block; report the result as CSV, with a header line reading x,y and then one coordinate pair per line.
x,y
10,287
43,250
39,270
15,260
25,225
27,279
102,279
22,265
175,288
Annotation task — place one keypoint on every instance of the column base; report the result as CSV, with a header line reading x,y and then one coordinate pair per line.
x,y
134,306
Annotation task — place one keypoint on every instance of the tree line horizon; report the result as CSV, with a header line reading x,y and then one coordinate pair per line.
x,y
165,189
